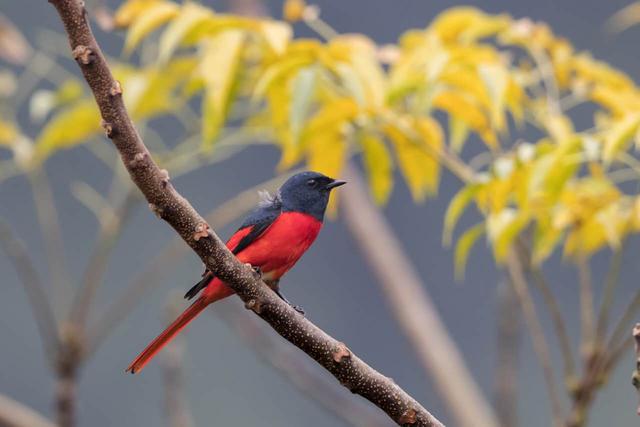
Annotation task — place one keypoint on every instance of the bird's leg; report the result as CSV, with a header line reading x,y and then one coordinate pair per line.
x,y
276,288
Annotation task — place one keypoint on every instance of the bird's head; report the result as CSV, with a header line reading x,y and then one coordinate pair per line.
x,y
307,192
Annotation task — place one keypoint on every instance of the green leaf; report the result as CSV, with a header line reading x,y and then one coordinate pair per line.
x,y
155,15
71,126
302,94
222,54
190,16
378,165
455,210
463,247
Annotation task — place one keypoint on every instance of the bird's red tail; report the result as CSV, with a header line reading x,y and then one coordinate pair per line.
x,y
167,335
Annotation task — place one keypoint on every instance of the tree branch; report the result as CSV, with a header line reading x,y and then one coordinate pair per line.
x,y
413,307
636,373
15,414
169,205
520,286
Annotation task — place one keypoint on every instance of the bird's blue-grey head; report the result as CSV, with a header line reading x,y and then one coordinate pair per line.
x,y
307,192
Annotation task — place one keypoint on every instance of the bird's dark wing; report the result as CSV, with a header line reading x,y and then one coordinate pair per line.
x,y
259,220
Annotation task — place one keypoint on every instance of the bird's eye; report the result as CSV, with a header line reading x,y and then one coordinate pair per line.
x,y
311,183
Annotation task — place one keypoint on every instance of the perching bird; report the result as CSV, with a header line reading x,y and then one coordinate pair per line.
x,y
272,239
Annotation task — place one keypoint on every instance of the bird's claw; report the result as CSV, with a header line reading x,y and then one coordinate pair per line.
x,y
298,309
257,271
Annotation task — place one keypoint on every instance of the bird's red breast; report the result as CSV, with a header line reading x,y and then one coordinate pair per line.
x,y
275,251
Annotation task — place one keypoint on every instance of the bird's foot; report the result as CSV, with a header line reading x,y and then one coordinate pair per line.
x,y
256,271
298,309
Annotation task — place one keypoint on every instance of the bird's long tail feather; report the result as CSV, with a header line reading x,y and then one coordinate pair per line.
x,y
167,335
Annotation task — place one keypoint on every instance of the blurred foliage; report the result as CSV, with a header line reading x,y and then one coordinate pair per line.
x,y
412,106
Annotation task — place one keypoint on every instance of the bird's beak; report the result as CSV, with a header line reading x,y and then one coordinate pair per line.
x,y
334,184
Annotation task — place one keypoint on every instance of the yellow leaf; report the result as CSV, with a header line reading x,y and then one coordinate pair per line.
x,y
190,16
559,127
467,110
302,94
458,133
71,126
153,17
619,135
456,208
131,10
467,24
222,54
276,73
332,114
8,133
496,79
379,166
276,34
416,160
545,239
502,228
463,247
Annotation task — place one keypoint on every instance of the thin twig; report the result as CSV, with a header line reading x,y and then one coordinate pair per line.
x,y
18,254
412,306
559,324
306,377
509,342
49,222
519,282
16,414
611,282
587,316
624,322
99,258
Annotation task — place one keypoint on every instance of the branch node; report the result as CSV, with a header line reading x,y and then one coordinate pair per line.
x,y
202,230
254,305
83,54
108,128
408,417
157,210
341,352
115,89
138,160
164,177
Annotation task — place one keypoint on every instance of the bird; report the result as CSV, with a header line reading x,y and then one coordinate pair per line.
x,y
272,238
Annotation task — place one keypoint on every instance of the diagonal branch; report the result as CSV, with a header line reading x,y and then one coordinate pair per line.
x,y
169,205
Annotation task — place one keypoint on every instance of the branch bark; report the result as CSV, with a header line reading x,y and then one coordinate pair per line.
x,y
413,307
636,373
169,205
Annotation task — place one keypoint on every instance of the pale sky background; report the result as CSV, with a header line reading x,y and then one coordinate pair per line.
x,y
227,383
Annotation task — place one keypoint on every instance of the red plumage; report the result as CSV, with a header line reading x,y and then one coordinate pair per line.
x,y
275,251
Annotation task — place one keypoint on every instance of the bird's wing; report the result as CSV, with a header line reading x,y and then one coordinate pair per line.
x,y
253,227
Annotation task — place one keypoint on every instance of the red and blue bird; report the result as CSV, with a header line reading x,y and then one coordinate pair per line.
x,y
272,239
